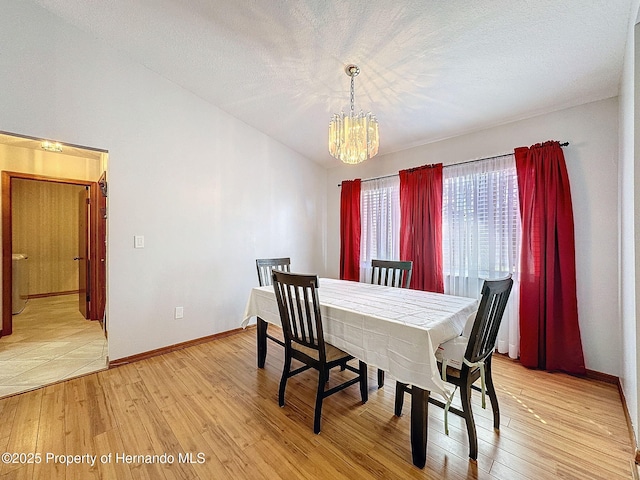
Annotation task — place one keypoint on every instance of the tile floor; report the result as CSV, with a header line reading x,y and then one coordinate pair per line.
x,y
51,341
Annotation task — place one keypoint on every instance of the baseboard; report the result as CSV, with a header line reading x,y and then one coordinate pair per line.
x,y
603,377
172,348
632,434
53,294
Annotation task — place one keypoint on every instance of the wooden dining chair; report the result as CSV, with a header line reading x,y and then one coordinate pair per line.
x,y
297,298
476,362
264,267
392,274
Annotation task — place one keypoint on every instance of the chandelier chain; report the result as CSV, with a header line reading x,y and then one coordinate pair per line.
x,y
352,95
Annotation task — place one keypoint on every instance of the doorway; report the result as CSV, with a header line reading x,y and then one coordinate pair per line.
x,y
40,331
90,229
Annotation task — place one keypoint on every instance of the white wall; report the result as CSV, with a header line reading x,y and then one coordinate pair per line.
x,y
209,193
592,158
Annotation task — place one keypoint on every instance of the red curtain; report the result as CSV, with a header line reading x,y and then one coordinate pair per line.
x,y
549,330
350,230
421,225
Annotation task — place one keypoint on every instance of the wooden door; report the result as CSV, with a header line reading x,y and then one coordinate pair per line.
x,y
83,253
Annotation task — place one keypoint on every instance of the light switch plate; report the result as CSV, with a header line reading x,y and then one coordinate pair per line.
x,y
138,241
179,312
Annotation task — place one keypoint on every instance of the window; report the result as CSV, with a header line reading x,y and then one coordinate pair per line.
x,y
481,219
380,220
481,234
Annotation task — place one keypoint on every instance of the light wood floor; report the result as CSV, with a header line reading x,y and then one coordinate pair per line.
x,y
211,399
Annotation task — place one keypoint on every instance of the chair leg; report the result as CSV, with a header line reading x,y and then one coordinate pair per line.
x,y
319,396
283,380
262,341
400,389
491,391
364,382
465,396
380,378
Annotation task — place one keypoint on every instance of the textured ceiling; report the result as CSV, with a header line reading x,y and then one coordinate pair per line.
x,y
429,69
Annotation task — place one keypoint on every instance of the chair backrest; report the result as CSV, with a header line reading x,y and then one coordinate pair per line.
x,y
265,265
391,273
297,297
482,340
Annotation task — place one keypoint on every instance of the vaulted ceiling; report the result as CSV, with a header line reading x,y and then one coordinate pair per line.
x,y
429,69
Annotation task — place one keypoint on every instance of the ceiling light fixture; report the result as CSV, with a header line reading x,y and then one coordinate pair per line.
x,y
354,137
51,146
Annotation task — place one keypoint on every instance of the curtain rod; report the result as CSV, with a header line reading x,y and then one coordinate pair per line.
x,y
564,144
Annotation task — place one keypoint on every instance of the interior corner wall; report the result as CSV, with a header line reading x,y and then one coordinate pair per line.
x,y
629,225
592,162
633,203
208,192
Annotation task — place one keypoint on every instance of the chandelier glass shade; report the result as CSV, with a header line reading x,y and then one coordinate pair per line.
x,y
353,137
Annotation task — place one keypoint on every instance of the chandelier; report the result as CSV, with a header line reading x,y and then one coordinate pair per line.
x,y
354,137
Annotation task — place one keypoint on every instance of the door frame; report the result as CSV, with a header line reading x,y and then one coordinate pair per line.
x,y
83,252
97,234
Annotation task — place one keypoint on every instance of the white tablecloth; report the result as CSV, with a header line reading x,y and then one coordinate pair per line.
x,y
394,329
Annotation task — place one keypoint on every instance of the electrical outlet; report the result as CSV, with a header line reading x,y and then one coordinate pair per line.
x,y
179,312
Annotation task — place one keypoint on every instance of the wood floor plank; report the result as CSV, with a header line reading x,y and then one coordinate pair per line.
x,y
189,435
102,418
25,428
8,409
121,392
108,443
157,378
161,436
217,414
274,461
78,433
51,432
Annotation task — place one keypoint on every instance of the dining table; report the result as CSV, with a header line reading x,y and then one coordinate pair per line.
x,y
394,329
